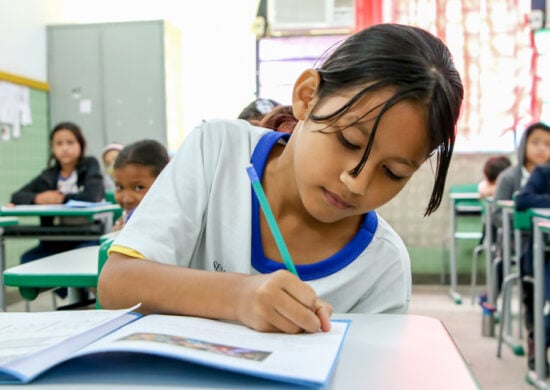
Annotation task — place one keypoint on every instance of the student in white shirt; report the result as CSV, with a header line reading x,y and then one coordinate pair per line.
x,y
382,103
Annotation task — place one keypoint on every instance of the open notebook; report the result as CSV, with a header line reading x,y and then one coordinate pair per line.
x,y
32,343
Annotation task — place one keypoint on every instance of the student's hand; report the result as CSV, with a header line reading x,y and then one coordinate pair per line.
x,y
119,224
281,302
49,197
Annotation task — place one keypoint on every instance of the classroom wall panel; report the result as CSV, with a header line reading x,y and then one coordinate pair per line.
x,y
21,159
24,157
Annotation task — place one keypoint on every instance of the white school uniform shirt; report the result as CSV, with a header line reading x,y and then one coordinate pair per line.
x,y
201,213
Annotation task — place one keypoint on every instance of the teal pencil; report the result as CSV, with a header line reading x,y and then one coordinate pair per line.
x,y
264,204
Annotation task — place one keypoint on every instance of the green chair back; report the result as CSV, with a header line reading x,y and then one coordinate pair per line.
x,y
103,255
110,197
522,219
465,188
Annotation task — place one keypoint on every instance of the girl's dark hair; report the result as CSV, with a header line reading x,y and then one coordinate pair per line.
x,y
73,128
536,126
418,66
149,153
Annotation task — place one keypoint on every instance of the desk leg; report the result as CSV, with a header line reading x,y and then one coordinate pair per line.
x,y
540,349
2,268
452,257
489,277
107,220
509,280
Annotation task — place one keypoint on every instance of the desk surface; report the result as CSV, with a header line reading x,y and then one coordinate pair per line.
x,y
541,213
74,268
380,352
505,203
57,210
8,221
464,195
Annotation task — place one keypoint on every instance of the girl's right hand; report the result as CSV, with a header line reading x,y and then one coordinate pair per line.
x,y
281,302
49,197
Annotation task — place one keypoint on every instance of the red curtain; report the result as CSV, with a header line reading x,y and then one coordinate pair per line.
x,y
492,46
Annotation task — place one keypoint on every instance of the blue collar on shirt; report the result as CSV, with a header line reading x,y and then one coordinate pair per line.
x,y
311,271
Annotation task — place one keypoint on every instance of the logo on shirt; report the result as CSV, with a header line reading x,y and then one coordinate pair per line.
x,y
218,267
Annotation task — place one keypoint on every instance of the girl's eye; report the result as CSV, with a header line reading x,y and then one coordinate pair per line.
x,y
345,142
392,175
139,188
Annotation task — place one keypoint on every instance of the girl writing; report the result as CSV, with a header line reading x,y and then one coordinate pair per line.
x,y
381,104
70,175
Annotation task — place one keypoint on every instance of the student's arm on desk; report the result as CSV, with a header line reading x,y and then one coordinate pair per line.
x,y
27,193
277,302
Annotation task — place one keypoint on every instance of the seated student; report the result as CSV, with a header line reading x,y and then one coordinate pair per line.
x,y
257,109
533,150
70,175
108,156
134,170
491,170
534,194
199,245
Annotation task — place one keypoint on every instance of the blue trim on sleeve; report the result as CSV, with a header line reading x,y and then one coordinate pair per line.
x,y
323,268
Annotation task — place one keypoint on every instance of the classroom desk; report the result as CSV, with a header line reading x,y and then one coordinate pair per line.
x,y
380,352
460,202
4,221
105,213
74,268
507,208
541,227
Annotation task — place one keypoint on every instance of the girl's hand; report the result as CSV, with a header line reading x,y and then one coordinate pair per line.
x,y
281,302
49,197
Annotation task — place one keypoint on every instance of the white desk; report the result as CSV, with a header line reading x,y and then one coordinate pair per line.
x,y
103,212
74,268
4,221
380,352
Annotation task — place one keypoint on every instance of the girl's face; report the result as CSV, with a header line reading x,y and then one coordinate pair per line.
x,y
537,149
323,160
65,148
132,181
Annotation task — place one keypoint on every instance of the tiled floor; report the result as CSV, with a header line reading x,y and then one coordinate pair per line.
x,y
464,324
462,321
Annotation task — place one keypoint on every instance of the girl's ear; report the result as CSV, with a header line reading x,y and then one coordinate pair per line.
x,y
304,92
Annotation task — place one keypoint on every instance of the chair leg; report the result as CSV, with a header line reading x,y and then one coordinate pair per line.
x,y
54,300
443,261
477,250
494,281
506,313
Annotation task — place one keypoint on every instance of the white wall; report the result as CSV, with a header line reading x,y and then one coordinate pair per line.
x,y
218,53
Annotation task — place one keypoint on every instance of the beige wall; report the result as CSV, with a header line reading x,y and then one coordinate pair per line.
x,y
405,212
